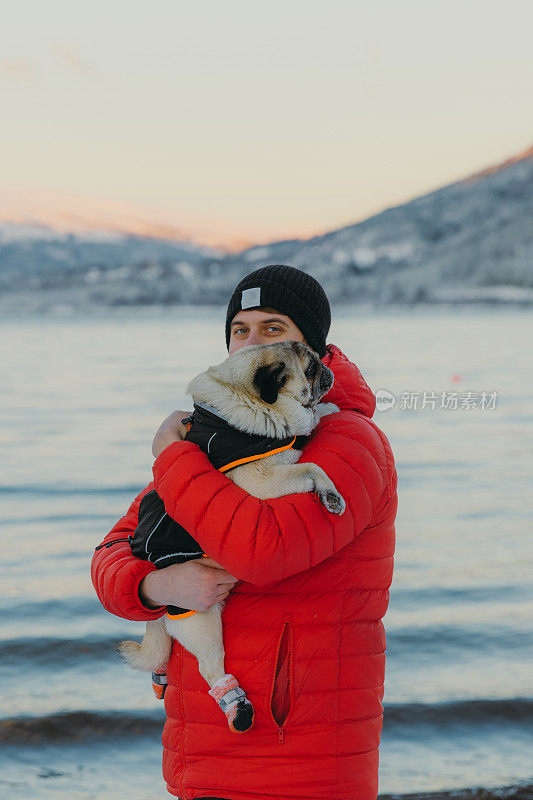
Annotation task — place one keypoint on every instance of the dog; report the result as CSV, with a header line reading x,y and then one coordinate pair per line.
x,y
262,398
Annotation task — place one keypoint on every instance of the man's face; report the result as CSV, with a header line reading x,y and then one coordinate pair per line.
x,y
261,326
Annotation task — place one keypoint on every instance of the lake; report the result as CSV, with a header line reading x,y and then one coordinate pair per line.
x,y
82,397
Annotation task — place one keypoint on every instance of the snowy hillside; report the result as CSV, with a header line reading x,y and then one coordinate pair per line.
x,y
46,264
470,241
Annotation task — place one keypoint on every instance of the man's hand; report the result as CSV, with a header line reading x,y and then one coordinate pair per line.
x,y
170,430
194,584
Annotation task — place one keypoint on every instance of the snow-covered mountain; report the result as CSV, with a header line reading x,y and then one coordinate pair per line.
x,y
45,265
472,240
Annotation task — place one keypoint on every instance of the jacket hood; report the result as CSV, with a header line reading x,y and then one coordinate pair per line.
x,y
350,391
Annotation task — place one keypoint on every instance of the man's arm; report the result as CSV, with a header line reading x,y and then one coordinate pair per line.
x,y
262,541
134,589
116,574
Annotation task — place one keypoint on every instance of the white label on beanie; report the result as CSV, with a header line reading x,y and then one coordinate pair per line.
x,y
251,297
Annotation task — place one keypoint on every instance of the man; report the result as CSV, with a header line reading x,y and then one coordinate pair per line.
x,y
305,590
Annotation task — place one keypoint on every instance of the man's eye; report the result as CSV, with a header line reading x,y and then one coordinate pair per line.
x,y
273,328
238,330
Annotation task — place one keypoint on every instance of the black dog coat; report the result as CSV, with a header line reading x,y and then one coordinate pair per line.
x,y
160,539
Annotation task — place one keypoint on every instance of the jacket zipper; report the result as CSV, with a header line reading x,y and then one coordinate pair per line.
x,y
285,631
182,713
113,541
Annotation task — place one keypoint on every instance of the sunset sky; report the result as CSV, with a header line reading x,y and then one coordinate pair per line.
x,y
237,122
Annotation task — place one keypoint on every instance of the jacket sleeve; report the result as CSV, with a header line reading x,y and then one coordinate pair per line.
x,y
262,541
116,573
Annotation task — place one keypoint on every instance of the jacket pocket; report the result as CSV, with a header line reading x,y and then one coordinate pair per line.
x,y
280,696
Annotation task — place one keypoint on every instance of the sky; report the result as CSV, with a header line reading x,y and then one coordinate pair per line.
x,y
241,122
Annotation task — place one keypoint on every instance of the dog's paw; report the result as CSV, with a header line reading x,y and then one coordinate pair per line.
x,y
332,500
243,717
234,703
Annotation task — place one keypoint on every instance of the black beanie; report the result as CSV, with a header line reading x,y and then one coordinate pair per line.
x,y
291,292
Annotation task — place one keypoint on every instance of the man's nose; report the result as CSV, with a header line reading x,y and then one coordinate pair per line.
x,y
253,338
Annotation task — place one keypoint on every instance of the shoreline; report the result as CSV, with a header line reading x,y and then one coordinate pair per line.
x,y
516,792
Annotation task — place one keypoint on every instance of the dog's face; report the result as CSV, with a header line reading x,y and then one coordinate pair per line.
x,y
270,389
291,368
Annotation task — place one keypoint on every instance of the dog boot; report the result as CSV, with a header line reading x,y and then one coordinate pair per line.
x,y
159,682
234,703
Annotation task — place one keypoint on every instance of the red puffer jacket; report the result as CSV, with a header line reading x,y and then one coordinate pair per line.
x,y
302,628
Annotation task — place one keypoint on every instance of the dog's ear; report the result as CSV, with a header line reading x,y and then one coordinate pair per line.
x,y
269,381
300,348
320,377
